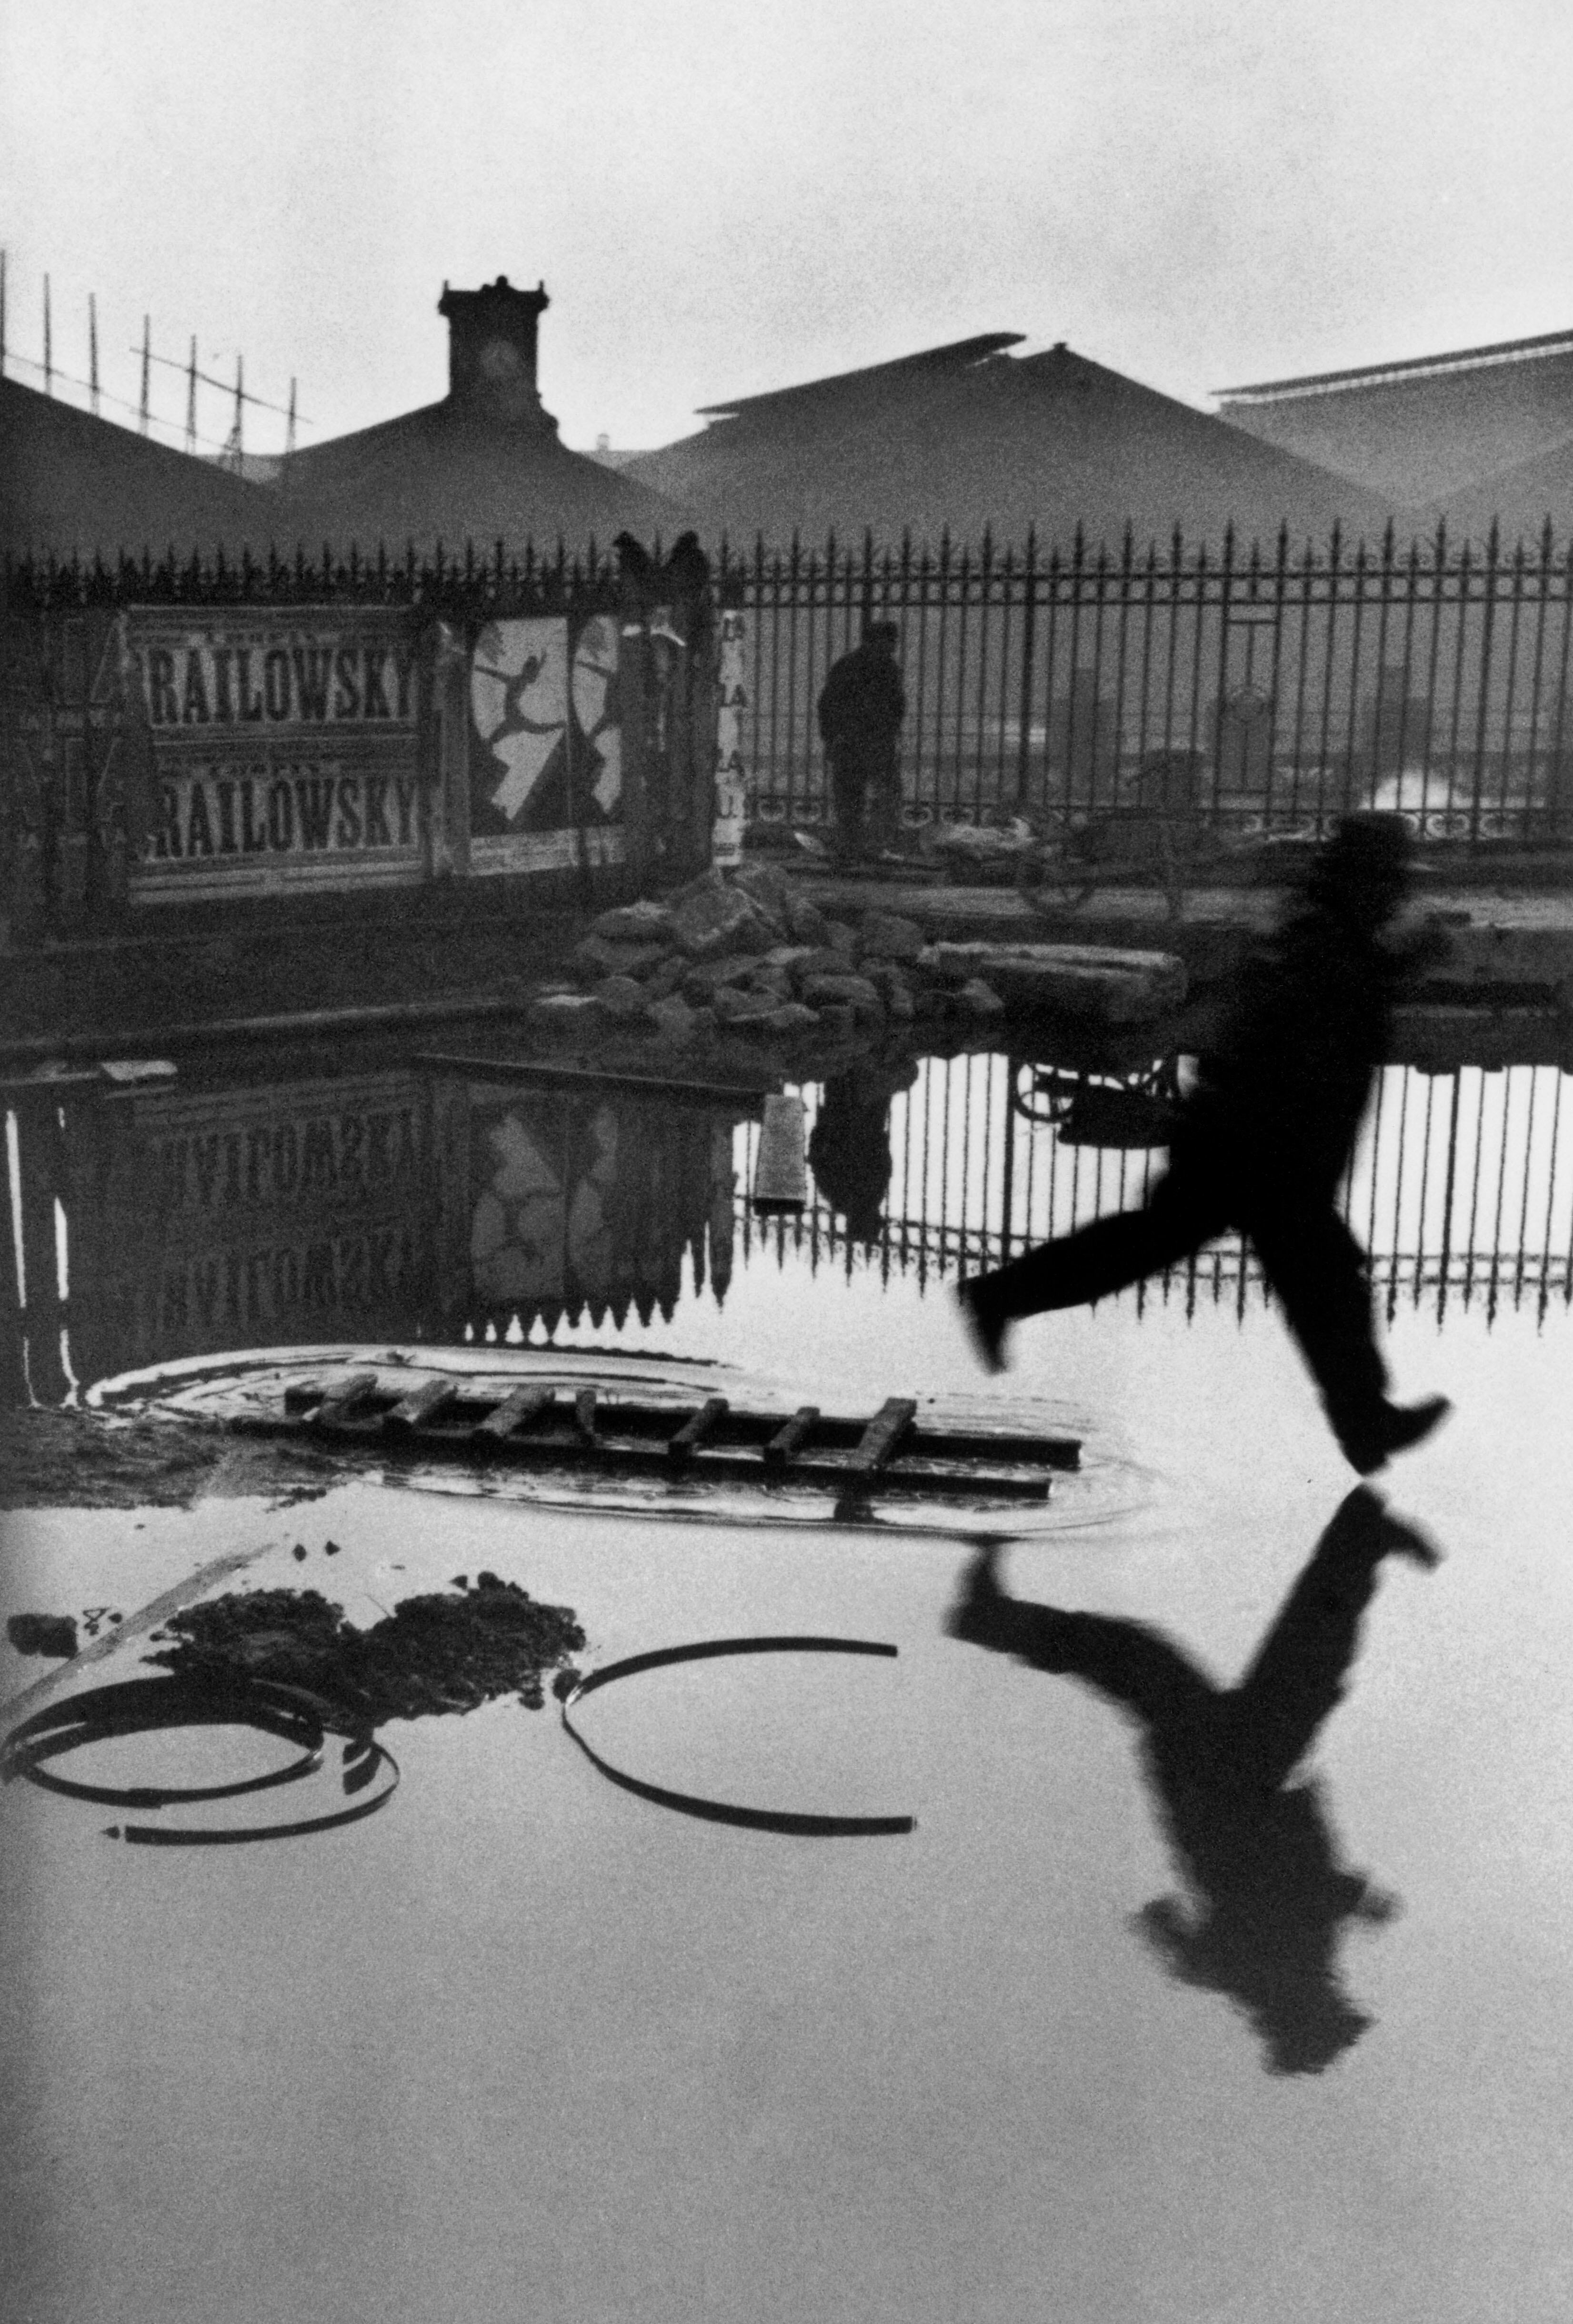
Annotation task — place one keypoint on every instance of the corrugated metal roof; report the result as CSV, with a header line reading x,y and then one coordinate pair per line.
x,y
1335,382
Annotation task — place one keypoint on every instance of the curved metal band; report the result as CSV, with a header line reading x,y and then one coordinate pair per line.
x,y
809,1827
144,1706
151,1835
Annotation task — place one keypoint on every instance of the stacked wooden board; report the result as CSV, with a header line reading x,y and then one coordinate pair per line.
x,y
571,1425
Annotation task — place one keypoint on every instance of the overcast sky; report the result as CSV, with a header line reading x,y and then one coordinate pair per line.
x,y
724,196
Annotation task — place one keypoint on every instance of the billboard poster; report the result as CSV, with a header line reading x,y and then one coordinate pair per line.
x,y
731,774
546,745
284,750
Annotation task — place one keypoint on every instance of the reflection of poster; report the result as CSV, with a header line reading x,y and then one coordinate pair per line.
x,y
545,757
232,1217
532,1239
584,1208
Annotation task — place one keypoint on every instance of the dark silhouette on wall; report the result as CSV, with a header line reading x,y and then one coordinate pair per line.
x,y
861,709
1263,1143
1268,1898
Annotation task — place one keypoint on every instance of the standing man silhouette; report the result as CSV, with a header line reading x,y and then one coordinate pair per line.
x,y
1261,1145
861,710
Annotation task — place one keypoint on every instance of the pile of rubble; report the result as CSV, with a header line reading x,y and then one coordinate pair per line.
x,y
447,1650
748,955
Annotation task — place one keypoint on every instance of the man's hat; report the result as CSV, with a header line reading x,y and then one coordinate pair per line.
x,y
1365,861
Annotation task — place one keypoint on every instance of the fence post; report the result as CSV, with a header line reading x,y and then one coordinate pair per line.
x,y
1225,588
1482,701
1553,824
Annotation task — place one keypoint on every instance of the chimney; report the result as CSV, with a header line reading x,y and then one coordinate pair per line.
x,y
492,352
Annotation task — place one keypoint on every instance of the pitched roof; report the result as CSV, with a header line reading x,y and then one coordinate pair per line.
x,y
73,484
443,472
1517,500
841,386
1424,429
967,436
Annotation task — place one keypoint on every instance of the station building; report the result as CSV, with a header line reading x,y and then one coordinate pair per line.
x,y
969,435
71,483
484,464
1482,433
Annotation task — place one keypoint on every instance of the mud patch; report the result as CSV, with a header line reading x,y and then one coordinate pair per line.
x,y
54,1459
53,1635
444,1652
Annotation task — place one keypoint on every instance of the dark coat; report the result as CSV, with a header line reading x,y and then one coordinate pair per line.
x,y
862,704
1284,1090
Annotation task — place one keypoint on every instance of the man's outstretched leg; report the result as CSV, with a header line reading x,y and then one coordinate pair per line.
x,y
1181,1214
1317,1268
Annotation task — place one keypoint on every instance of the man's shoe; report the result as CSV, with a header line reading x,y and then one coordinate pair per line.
x,y
986,1330
1394,1428
1411,1423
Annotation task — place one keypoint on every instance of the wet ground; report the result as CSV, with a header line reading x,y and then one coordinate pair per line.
x,y
1121,2029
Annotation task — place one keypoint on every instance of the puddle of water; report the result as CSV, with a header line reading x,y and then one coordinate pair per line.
x,y
524,2036
154,1226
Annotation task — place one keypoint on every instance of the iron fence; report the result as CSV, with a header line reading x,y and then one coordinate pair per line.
x,y
388,1205
1258,691
1461,1189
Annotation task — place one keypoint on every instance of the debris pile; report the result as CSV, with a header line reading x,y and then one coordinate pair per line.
x,y
54,1634
748,955
445,1651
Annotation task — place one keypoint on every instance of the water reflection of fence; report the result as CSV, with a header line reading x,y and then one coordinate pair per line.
x,y
1265,689
152,1226
1461,1189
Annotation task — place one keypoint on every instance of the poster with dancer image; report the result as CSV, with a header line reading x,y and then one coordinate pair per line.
x,y
546,745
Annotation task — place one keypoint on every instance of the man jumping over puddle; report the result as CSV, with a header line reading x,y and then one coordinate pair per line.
x,y
1262,1144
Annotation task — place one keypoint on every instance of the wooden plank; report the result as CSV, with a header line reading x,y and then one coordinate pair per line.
x,y
878,1445
303,1024
831,1433
739,1466
421,1404
517,1407
955,1444
697,1429
786,1441
542,1070
584,1415
341,1401
781,1172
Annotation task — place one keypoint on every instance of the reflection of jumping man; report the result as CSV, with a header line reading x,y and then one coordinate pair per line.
x,y
1268,1898
1262,1144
